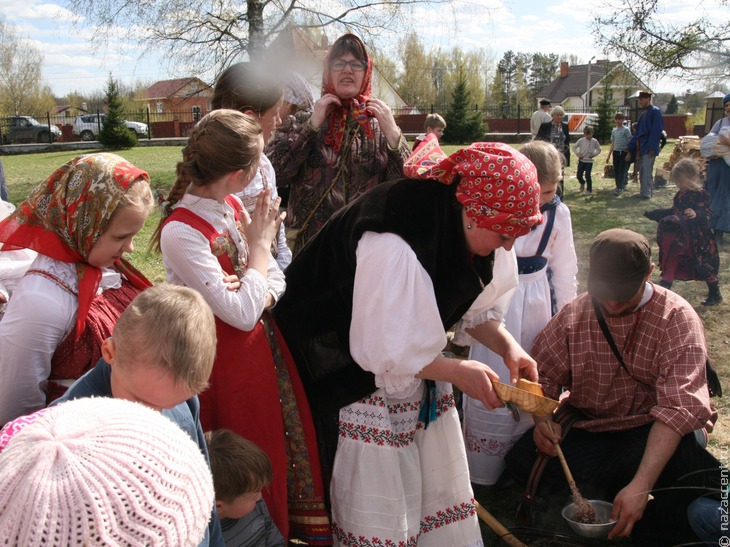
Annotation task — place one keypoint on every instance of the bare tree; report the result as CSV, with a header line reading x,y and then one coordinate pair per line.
x,y
22,90
638,34
414,84
216,33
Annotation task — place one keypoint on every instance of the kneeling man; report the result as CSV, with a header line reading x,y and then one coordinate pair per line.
x,y
631,356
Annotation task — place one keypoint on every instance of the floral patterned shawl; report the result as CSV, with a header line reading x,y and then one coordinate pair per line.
x,y
64,216
355,107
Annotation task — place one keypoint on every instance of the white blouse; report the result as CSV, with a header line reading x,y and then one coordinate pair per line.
x,y
396,327
560,252
189,261
39,316
266,178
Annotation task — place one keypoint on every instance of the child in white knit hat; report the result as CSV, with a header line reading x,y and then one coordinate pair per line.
x,y
100,471
161,355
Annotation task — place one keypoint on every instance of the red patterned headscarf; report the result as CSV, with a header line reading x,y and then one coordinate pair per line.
x,y
355,107
64,216
497,187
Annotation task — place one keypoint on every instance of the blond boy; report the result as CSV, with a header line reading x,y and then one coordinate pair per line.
x,y
161,355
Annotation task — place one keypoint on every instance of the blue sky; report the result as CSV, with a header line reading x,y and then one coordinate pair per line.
x,y
71,62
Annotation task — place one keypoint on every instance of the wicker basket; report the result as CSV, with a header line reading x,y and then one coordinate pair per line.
x,y
524,400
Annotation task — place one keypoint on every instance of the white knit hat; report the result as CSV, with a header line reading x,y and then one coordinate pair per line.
x,y
102,471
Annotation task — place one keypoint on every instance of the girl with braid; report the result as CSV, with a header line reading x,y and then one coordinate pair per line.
x,y
255,389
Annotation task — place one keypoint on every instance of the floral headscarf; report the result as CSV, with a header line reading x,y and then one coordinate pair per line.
x,y
355,107
497,187
64,216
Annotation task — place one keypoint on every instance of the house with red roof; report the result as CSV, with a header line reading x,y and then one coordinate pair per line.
x,y
178,96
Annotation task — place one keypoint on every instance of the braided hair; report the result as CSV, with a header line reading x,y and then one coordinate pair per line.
x,y
223,141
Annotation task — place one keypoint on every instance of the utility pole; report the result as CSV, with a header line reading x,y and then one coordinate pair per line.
x,y
587,100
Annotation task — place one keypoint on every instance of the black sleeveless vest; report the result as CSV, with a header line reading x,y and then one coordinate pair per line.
x,y
315,312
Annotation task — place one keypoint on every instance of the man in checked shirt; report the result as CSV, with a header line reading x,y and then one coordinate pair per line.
x,y
635,419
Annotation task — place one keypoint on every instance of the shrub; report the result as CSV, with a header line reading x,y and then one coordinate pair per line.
x,y
115,134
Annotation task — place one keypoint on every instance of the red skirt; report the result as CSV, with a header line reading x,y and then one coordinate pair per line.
x,y
256,392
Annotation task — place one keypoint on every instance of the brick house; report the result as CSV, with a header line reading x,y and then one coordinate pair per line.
x,y
179,96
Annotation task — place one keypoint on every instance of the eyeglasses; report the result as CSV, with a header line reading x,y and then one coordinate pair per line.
x,y
355,66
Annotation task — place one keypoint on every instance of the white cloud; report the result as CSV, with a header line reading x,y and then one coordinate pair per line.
x,y
15,10
76,57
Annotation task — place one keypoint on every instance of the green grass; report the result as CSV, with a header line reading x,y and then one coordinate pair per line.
x,y
24,172
590,214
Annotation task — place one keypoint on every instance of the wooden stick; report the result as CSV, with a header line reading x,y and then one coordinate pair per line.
x,y
578,499
564,463
497,527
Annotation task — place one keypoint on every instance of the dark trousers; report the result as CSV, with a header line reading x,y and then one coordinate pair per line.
x,y
604,463
584,170
327,427
620,169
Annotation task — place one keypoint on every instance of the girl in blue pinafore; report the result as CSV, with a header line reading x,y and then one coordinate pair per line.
x,y
547,268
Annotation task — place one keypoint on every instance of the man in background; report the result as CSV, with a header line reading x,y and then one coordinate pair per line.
x,y
644,144
540,116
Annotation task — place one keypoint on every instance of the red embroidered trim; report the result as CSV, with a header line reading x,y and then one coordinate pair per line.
x,y
55,279
450,515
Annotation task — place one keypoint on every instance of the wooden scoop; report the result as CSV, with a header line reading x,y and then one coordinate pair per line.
x,y
584,511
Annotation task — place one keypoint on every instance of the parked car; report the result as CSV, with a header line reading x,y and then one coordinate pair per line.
x,y
18,129
88,126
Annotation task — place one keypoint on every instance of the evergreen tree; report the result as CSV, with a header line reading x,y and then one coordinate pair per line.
x,y
543,70
463,125
672,105
115,133
606,111
507,78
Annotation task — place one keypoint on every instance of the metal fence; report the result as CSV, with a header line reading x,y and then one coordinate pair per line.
x,y
504,111
504,118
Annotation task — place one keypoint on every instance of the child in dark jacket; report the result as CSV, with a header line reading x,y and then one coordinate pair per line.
x,y
687,248
161,355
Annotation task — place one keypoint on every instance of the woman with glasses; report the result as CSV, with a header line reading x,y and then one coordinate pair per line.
x,y
348,144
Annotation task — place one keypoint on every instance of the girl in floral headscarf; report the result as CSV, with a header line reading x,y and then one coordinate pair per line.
x,y
81,221
348,144
365,312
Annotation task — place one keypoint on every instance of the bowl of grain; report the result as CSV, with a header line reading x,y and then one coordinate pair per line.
x,y
598,529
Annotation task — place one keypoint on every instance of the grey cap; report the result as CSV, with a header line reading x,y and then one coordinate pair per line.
x,y
619,263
